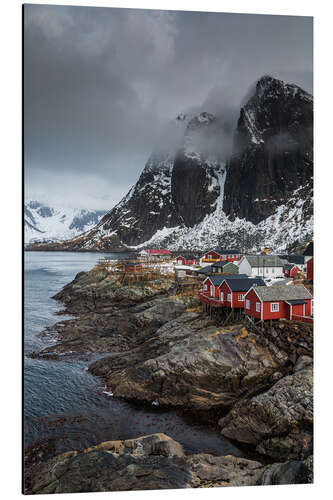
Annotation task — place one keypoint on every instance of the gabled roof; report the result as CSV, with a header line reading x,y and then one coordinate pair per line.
x,y
288,267
285,281
309,250
218,279
282,292
243,285
293,259
205,270
264,260
222,263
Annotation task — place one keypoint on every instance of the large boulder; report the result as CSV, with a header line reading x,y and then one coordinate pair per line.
x,y
153,462
191,363
279,421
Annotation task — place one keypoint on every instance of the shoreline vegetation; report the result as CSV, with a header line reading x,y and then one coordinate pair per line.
x,y
157,347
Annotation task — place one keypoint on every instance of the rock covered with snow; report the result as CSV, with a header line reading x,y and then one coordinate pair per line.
x,y
45,223
197,171
146,208
195,196
272,150
163,196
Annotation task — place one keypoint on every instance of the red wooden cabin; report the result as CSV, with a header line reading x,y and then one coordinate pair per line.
x,y
222,254
291,270
279,302
233,291
189,260
309,269
228,290
153,251
211,286
132,267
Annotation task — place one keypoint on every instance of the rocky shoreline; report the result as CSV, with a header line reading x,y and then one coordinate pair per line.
x,y
157,347
155,462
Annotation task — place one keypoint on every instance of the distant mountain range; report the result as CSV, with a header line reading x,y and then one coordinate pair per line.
x,y
197,196
46,223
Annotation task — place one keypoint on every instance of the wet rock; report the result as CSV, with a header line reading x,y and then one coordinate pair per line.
x,y
152,462
190,363
279,421
292,472
302,362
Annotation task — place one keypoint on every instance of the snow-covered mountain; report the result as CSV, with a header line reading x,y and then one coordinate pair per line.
x,y
197,196
46,223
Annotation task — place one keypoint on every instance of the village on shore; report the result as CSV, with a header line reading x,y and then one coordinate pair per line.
x,y
224,337
232,285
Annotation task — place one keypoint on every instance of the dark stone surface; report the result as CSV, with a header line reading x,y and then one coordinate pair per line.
x,y
153,462
272,150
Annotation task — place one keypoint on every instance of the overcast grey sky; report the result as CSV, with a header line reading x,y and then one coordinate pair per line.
x,y
100,84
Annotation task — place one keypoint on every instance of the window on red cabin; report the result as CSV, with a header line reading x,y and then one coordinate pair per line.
x,y
205,287
258,307
274,306
247,304
221,296
229,297
241,297
212,291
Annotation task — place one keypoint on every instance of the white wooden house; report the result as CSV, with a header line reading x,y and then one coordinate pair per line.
x,y
266,266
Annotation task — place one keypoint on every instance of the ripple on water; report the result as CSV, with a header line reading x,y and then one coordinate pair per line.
x,y
62,400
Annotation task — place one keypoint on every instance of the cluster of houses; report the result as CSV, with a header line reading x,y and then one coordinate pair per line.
x,y
239,282
258,300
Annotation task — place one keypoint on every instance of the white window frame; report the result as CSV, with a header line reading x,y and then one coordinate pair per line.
x,y
275,307
212,290
247,304
229,297
221,296
258,307
241,297
205,287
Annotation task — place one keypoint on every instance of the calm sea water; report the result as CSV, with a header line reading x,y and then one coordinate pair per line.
x,y
62,401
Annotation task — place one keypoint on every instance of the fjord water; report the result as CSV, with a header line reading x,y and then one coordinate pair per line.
x,y
66,405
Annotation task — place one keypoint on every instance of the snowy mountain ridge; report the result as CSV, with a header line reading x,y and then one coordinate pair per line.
x,y
200,195
51,223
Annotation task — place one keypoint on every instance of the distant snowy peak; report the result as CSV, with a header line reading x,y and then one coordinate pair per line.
x,y
46,223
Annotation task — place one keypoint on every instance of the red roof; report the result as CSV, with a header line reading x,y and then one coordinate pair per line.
x,y
157,252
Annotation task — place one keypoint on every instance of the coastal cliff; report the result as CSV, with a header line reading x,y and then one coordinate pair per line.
x,y
254,384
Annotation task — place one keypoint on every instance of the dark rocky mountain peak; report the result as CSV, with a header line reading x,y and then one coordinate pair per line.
x,y
272,150
197,169
175,188
196,191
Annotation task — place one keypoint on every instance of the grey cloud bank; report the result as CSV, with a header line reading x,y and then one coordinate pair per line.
x,y
102,84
